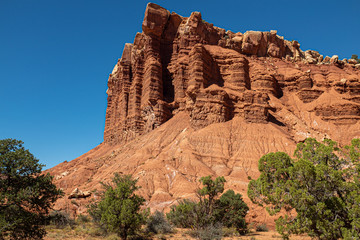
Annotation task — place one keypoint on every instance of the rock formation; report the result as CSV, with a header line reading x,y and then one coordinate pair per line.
x,y
77,193
189,99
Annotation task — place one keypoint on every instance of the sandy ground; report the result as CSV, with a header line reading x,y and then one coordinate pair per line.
x,y
75,234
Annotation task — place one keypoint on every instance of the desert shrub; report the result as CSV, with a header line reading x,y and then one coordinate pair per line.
x,y
209,232
354,56
112,237
182,215
262,228
95,231
60,219
80,229
157,223
229,209
95,215
190,214
230,232
119,207
94,211
83,218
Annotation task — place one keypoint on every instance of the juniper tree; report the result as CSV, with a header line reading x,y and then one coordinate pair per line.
x,y
321,184
119,210
26,195
212,209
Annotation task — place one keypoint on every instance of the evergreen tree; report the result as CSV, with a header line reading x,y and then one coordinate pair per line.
x,y
119,208
211,210
321,184
26,195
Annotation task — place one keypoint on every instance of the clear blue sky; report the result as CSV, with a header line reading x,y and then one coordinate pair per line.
x,y
56,55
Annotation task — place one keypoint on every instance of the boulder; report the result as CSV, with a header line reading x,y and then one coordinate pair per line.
x,y
334,59
326,59
77,193
155,20
253,43
353,61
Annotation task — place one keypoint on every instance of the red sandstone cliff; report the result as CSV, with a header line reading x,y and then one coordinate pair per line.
x,y
188,99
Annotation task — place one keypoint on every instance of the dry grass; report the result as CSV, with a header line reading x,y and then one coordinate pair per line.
x,y
80,231
88,231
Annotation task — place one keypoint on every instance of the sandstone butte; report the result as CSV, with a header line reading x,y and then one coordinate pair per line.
x,y
188,99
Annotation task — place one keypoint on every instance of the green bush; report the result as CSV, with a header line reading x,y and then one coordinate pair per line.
x,y
95,214
94,211
229,210
119,208
183,215
262,228
209,232
60,219
96,231
354,56
157,223
83,218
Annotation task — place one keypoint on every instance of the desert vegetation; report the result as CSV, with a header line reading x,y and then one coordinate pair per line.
x,y
119,211
319,190
26,195
354,56
315,193
211,212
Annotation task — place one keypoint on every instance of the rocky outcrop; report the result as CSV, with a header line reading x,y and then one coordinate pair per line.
x,y
339,113
188,99
77,193
186,64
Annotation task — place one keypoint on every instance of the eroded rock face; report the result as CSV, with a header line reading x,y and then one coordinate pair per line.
x,y
188,99
185,64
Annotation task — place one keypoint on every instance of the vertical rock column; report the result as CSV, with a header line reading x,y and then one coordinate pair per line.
x,y
113,98
256,105
263,81
204,70
207,102
155,20
152,85
135,122
153,26
180,72
239,76
196,80
118,96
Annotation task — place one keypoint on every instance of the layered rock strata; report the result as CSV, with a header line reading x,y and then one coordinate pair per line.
x,y
188,99
186,64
